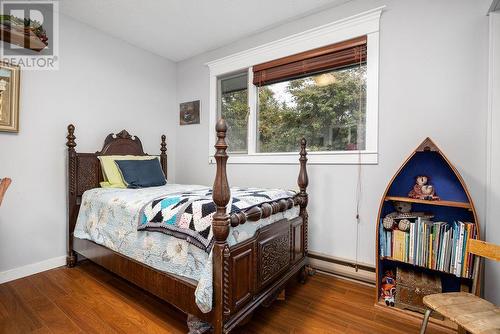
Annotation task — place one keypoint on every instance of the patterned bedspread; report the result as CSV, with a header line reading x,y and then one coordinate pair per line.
x,y
188,215
109,217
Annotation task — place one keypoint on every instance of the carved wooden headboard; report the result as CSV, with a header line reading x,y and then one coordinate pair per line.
x,y
84,169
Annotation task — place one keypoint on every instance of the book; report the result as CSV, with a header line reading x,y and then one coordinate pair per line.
x,y
464,251
459,249
411,251
454,241
429,260
423,241
435,245
471,257
427,228
468,258
389,243
417,241
382,241
399,245
438,227
442,246
445,255
407,247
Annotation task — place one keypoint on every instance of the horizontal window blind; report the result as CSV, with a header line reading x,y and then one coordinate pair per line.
x,y
331,57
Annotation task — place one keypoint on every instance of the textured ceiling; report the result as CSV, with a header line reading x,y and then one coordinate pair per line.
x,y
179,29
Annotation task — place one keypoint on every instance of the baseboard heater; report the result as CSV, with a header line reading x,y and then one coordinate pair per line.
x,y
361,272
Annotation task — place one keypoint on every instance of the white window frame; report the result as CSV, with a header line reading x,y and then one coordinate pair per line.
x,y
366,23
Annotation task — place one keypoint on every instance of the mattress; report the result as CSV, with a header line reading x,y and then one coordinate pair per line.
x,y
109,217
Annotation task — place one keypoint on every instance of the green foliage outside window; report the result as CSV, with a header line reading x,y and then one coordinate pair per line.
x,y
234,109
327,115
330,114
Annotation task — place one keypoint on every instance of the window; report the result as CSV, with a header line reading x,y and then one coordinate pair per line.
x,y
326,108
319,94
302,86
233,107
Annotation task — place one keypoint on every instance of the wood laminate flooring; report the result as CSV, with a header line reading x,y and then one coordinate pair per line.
x,y
89,299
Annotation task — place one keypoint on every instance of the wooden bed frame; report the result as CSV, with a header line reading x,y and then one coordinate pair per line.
x,y
246,275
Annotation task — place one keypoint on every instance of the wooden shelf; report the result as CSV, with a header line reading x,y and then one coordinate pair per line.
x,y
463,205
388,258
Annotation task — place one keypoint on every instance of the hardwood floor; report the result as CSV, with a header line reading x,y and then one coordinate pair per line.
x,y
88,299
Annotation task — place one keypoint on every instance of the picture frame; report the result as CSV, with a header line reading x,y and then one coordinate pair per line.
x,y
189,112
9,97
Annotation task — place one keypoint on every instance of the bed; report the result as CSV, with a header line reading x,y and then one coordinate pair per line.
x,y
252,254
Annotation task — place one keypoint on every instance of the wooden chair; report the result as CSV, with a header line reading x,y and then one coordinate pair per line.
x,y
4,184
468,311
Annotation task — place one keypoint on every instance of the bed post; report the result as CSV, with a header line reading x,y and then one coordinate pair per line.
x,y
163,155
303,182
71,255
220,227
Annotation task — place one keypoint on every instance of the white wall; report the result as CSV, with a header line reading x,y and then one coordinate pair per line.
x,y
492,271
103,85
433,82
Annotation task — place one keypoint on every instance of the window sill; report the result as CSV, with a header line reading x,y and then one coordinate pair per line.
x,y
314,158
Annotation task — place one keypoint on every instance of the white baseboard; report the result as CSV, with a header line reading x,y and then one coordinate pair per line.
x,y
342,267
31,269
329,266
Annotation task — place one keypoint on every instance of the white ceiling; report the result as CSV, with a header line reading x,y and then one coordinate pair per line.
x,y
179,29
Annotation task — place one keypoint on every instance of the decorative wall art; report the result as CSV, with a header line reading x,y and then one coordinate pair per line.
x,y
190,112
9,97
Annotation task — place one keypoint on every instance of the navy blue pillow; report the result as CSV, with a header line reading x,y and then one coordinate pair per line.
x,y
141,173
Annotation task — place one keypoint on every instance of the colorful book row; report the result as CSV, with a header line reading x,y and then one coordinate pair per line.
x,y
435,245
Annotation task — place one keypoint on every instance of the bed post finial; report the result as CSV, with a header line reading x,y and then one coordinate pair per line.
x,y
71,144
72,206
220,228
221,193
303,182
163,148
163,154
71,138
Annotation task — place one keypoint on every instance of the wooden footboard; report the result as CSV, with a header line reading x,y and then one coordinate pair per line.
x,y
257,270
246,275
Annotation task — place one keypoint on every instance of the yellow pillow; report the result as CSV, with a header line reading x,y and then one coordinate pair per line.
x,y
112,175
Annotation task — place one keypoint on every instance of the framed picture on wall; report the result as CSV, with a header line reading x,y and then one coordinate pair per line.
x,y
9,97
190,112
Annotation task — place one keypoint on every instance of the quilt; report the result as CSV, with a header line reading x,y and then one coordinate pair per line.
x,y
188,215
108,217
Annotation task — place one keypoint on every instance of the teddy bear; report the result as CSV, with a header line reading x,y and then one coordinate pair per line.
x,y
388,288
422,190
403,209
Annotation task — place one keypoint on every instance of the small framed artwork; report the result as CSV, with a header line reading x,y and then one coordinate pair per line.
x,y
190,112
9,97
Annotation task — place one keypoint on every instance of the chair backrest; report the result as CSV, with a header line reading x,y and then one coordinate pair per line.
x,y
484,249
4,184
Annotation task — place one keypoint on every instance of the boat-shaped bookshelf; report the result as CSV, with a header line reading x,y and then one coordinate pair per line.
x,y
452,204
